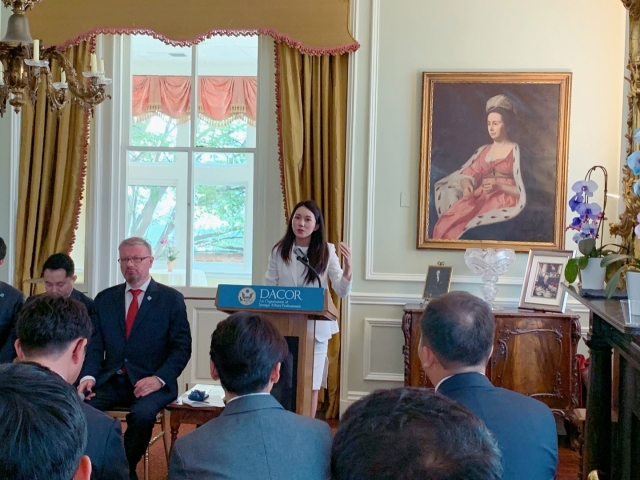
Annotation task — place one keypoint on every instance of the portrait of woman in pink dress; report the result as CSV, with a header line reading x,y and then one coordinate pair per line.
x,y
488,188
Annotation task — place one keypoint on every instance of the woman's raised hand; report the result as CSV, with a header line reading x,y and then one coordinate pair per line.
x,y
467,188
346,257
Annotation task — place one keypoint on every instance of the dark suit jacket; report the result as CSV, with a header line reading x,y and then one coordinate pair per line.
x,y
159,343
524,427
254,438
11,301
82,298
104,446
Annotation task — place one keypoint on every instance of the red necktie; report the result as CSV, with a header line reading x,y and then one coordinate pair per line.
x,y
132,312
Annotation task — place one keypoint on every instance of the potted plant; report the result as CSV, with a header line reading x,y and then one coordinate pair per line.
x,y
588,224
170,253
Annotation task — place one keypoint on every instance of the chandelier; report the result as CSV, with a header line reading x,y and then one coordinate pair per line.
x,y
23,62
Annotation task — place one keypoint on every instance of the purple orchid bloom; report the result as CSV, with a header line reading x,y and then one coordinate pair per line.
x,y
636,135
636,188
576,200
588,210
577,237
575,224
588,187
589,230
633,161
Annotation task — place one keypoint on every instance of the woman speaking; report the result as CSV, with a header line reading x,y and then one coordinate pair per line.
x,y
305,238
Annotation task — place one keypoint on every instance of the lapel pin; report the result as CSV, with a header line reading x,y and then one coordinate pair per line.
x,y
149,297
1,295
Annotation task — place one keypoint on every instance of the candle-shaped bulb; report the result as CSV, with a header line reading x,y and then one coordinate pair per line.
x,y
1,74
63,77
101,65
94,63
36,50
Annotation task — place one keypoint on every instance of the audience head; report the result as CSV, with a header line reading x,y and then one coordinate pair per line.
x,y
53,331
136,259
43,429
59,274
457,335
412,433
246,353
3,250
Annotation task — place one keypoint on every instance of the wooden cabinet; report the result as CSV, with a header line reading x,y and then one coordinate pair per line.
x,y
533,354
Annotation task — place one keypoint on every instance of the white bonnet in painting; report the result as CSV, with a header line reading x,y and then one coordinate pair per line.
x,y
500,101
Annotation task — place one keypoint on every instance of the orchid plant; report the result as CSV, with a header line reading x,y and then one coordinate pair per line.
x,y
587,224
169,250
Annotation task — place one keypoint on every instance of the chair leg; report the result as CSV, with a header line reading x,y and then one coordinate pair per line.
x,y
146,464
167,435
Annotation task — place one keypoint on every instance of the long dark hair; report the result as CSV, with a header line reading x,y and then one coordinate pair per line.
x,y
318,252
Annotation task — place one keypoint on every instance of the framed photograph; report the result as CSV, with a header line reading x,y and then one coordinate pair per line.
x,y
545,271
493,160
437,282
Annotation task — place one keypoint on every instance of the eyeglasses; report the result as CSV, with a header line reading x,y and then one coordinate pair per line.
x,y
126,260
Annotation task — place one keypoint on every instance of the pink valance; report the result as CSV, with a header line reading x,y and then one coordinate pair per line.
x,y
220,99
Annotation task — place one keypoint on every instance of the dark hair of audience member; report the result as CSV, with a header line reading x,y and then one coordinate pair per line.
x,y
48,323
459,328
3,249
43,429
60,261
412,433
244,350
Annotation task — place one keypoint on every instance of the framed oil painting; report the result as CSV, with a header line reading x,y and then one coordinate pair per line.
x,y
541,289
493,160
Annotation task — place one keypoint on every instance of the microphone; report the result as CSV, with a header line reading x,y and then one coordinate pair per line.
x,y
302,258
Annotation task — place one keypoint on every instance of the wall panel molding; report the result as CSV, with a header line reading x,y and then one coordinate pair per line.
x,y
369,325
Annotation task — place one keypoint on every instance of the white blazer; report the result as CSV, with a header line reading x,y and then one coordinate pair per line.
x,y
293,275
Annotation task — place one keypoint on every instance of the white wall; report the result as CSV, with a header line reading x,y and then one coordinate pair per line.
x,y
401,39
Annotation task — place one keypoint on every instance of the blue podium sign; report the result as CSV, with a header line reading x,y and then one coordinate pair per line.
x,y
270,298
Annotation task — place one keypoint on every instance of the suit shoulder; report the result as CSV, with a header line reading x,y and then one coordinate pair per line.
x,y
311,424
109,292
11,292
526,403
166,290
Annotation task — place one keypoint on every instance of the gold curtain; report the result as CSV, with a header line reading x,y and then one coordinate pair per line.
x,y
313,26
52,169
312,113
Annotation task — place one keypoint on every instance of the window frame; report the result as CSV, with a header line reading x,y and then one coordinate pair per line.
x,y
107,202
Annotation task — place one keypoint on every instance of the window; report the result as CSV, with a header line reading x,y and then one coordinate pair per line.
x,y
190,170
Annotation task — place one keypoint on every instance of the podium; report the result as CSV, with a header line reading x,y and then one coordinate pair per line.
x,y
293,311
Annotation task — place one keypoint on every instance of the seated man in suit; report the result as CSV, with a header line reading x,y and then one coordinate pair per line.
x,y
456,343
53,332
254,437
58,273
11,301
43,429
412,433
140,345
59,276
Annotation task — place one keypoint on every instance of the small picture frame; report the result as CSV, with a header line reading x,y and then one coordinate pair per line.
x,y
544,274
437,282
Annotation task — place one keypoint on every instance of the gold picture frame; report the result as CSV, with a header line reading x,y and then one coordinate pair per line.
x,y
516,179
437,282
541,289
